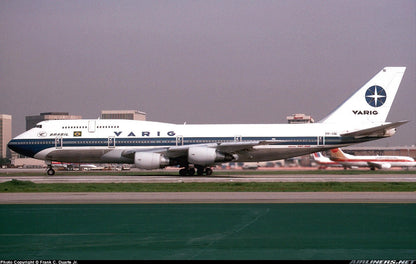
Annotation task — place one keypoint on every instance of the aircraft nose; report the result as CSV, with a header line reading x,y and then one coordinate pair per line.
x,y
21,148
11,145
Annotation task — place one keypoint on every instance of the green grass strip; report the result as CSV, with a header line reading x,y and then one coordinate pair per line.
x,y
216,172
28,186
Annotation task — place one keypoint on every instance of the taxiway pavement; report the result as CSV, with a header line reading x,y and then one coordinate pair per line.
x,y
207,197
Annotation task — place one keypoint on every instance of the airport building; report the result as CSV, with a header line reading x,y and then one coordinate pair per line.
x,y
5,135
123,114
31,121
299,119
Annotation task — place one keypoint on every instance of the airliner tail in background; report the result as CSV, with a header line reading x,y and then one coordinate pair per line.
x,y
323,161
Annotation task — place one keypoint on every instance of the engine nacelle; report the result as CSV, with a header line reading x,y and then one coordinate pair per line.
x,y
389,132
207,156
386,166
150,160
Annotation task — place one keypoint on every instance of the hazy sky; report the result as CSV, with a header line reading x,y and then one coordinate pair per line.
x,y
225,61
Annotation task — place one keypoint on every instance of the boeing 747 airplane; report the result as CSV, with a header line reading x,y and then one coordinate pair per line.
x,y
196,148
373,162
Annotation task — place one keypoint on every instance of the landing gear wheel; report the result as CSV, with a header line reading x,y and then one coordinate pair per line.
x,y
200,171
191,171
208,171
50,172
187,172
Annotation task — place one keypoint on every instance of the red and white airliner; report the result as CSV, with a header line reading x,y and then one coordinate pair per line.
x,y
373,162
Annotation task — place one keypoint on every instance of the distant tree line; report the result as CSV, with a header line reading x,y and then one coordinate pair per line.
x,y
4,162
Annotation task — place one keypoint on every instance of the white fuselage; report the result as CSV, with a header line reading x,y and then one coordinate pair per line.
x,y
106,140
387,161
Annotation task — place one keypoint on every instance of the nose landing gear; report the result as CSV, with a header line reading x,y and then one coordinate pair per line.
x,y
50,171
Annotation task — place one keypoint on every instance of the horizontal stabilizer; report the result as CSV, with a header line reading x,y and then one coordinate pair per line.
x,y
375,131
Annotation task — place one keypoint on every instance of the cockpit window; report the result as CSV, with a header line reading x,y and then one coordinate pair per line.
x,y
38,126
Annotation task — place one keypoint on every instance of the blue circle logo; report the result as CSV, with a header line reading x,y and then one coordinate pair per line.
x,y
375,96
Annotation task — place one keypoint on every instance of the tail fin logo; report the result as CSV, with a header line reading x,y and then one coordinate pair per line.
x,y
375,96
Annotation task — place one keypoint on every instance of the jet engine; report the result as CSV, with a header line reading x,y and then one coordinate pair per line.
x,y
386,166
207,156
389,132
150,160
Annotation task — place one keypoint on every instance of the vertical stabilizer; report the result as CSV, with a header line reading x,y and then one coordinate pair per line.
x,y
338,154
317,156
372,102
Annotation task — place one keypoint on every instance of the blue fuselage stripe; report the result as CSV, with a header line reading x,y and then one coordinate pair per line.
x,y
29,147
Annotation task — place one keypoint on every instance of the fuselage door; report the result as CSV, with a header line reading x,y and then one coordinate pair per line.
x,y
111,142
59,142
238,138
179,140
91,126
321,141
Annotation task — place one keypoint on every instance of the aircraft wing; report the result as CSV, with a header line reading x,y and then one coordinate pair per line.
x,y
230,147
179,151
374,131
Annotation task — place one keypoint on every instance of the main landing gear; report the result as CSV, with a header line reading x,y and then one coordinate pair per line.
x,y
191,171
